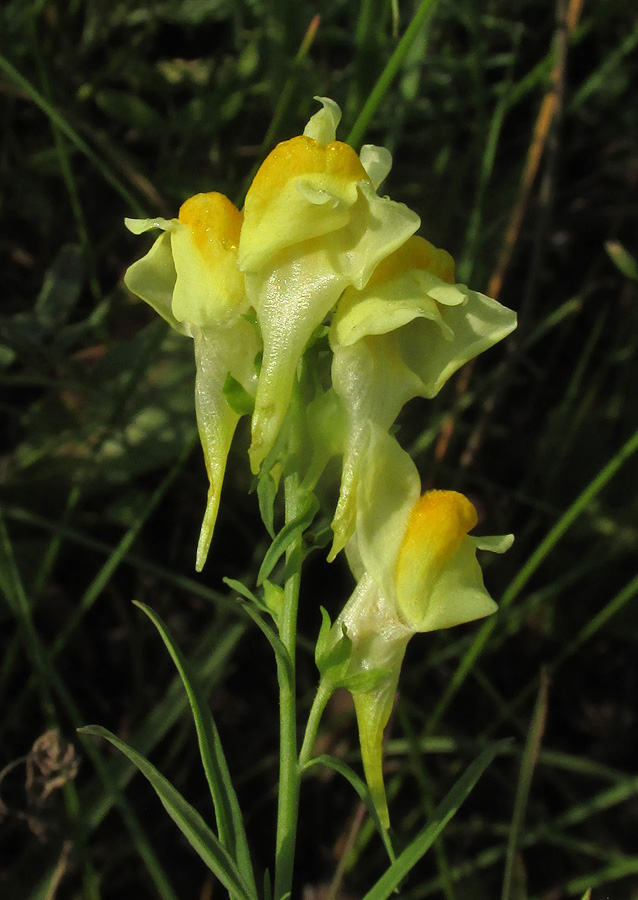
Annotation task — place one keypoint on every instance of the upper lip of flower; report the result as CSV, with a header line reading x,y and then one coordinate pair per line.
x,y
301,191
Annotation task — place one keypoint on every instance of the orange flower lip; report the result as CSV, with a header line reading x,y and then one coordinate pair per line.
x,y
438,523
416,253
213,219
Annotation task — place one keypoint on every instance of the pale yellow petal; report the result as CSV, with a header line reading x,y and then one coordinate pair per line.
x,y
139,226
291,299
322,127
387,491
476,325
377,161
372,387
152,278
458,594
373,711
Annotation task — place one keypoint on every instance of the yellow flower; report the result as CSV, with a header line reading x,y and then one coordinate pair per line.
x,y
417,571
400,337
190,277
313,225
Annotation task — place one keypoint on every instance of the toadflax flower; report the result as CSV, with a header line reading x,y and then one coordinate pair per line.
x,y
313,225
417,571
399,337
190,277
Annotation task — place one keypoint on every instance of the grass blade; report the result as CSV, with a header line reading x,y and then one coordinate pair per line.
x,y
62,125
187,819
385,79
528,764
230,823
418,847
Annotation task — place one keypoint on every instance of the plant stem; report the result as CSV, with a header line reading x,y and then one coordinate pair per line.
x,y
289,772
324,692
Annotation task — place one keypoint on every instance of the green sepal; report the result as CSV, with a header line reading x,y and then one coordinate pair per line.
x,y
322,639
266,493
273,598
237,397
333,659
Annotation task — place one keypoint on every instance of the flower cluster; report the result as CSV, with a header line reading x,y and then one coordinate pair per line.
x,y
314,240
316,246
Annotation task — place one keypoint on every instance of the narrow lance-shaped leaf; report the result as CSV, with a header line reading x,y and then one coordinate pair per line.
x,y
227,811
187,819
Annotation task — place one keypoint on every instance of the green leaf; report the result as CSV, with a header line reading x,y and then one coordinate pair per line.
x,y
61,288
238,397
267,886
360,787
230,823
129,108
622,259
418,847
247,594
288,535
241,589
187,819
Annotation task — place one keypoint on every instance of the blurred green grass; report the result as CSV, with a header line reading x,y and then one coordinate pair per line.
x,y
117,109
